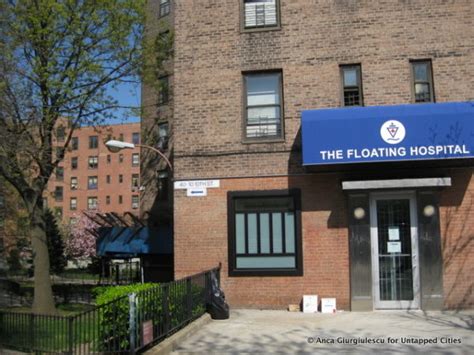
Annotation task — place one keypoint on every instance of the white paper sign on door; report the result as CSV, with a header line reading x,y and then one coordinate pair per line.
x,y
394,247
393,233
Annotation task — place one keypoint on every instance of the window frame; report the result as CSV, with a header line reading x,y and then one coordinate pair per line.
x,y
137,156
275,27
413,82
74,163
74,183
92,198
135,204
360,85
93,187
73,206
95,162
136,137
163,97
59,173
75,143
166,6
232,269
262,139
58,193
93,142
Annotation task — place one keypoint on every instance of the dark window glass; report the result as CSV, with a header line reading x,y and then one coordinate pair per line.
x,y
260,13
121,137
60,134
164,8
109,159
120,199
352,85
422,81
163,94
58,193
135,181
75,143
163,182
136,138
263,105
59,173
163,136
92,182
264,233
107,200
74,163
93,142
108,179
120,178
120,158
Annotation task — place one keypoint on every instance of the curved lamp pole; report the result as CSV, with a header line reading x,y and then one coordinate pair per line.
x,y
116,146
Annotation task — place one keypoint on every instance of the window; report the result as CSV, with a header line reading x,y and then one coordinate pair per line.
x,y
164,8
136,138
92,182
422,81
135,181
163,134
92,203
162,185
263,109
72,221
120,158
107,200
265,233
120,199
93,142
135,159
107,179
73,204
93,162
74,183
58,212
109,159
352,85
75,143
59,173
60,133
58,193
121,137
163,94
134,202
59,153
120,178
74,163
260,13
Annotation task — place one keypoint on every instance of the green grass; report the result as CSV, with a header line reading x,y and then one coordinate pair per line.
x,y
21,330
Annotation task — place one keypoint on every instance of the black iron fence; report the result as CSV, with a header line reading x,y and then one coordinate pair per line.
x,y
125,325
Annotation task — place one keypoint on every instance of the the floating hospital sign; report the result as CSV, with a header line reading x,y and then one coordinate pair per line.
x,y
388,133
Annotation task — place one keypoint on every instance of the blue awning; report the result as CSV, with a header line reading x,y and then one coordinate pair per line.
x,y
388,133
134,241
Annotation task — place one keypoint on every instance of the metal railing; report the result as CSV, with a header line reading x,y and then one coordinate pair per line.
x,y
126,325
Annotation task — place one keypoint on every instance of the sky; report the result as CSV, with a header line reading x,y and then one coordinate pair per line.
x,y
127,95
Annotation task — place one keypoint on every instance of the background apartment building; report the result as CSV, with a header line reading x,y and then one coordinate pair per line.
x,y
91,177
251,78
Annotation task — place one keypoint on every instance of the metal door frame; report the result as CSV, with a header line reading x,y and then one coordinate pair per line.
x,y
378,304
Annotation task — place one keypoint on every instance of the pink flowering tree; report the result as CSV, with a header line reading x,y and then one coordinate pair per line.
x,y
81,244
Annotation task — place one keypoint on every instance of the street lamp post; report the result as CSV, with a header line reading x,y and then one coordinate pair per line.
x,y
116,146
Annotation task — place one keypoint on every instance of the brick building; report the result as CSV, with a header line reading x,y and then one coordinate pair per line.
x,y
307,193
91,177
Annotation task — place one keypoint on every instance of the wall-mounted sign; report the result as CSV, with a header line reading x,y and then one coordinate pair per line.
x,y
192,184
196,192
394,247
147,332
388,133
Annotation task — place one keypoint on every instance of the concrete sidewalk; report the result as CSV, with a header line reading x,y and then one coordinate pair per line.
x,y
261,332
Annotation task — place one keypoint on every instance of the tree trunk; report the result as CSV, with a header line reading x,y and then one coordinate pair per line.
x,y
43,301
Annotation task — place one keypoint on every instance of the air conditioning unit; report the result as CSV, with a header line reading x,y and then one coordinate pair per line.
x,y
73,186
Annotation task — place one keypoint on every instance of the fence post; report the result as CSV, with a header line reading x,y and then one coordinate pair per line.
x,y
166,310
32,330
132,321
189,298
70,323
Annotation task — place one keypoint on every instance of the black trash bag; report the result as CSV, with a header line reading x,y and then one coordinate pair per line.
x,y
216,306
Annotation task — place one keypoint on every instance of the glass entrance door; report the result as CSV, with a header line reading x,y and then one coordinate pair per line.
x,y
394,251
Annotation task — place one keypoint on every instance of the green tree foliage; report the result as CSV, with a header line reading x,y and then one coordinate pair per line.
x,y
58,58
55,244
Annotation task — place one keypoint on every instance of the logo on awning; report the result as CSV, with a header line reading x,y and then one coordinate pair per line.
x,y
392,132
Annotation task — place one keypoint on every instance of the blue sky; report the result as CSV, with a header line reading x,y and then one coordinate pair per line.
x,y
127,95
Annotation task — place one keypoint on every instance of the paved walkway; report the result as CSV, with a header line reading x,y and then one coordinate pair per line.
x,y
396,332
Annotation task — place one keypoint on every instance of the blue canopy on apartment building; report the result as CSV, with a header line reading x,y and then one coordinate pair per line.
x,y
388,133
134,241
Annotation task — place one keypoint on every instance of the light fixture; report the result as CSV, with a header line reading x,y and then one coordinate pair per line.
x,y
359,213
429,211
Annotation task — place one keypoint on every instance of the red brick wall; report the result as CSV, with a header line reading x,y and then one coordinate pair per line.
x,y
201,242
457,231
